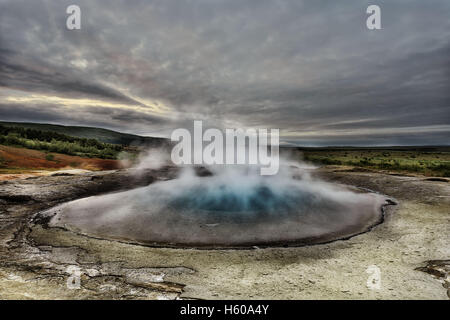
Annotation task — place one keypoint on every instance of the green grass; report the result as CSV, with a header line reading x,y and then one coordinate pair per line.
x,y
100,134
59,143
49,157
429,163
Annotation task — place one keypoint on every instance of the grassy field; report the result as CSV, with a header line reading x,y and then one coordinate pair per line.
x,y
422,160
100,134
25,150
51,142
20,160
56,142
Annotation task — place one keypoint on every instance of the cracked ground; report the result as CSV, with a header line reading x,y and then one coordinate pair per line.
x,y
411,249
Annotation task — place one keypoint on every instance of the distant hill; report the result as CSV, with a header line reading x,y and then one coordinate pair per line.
x,y
103,135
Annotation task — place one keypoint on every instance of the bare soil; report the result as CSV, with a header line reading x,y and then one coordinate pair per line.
x,y
18,161
411,249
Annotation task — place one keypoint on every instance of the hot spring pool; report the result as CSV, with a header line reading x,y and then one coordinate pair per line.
x,y
225,210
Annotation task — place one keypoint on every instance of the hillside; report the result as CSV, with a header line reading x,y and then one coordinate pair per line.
x,y
103,135
20,160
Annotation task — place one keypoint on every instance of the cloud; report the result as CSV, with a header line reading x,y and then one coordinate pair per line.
x,y
100,116
39,78
301,66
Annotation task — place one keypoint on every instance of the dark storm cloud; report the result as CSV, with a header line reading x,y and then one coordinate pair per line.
x,y
22,78
310,68
105,117
40,78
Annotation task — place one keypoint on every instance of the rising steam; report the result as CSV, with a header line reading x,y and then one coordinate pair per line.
x,y
230,206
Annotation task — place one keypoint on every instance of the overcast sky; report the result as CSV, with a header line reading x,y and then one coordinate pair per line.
x,y
310,68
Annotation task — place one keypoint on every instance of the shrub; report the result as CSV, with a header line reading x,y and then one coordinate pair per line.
x,y
58,143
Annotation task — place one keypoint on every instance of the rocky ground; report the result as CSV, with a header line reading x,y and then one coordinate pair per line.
x,y
410,251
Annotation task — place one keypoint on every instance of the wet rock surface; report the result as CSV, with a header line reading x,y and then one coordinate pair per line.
x,y
440,270
39,262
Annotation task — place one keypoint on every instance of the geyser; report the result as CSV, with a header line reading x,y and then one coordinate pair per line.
x,y
233,207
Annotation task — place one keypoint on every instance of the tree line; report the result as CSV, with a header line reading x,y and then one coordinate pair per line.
x,y
57,142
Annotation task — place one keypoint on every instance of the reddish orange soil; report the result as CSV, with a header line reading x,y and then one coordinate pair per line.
x,y
22,158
